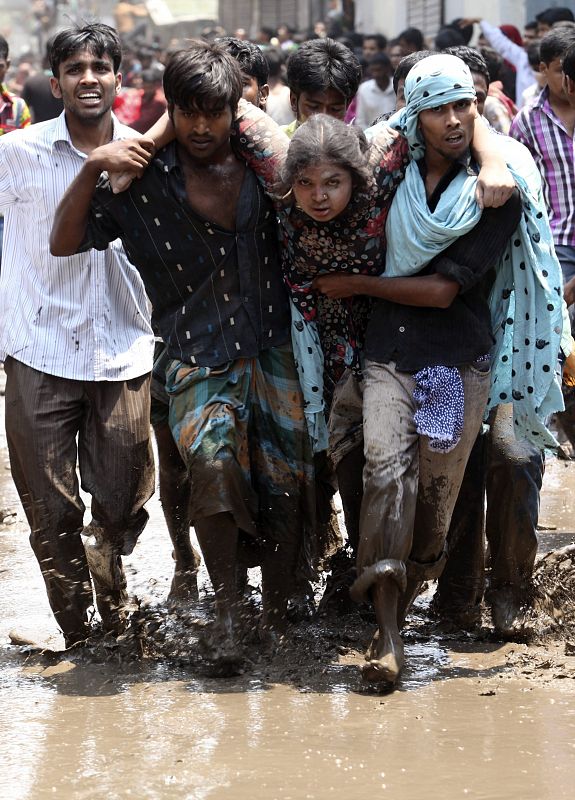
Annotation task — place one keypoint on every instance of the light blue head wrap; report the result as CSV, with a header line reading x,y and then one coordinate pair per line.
x,y
433,81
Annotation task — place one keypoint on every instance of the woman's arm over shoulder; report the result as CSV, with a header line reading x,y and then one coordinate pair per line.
x,y
388,157
261,142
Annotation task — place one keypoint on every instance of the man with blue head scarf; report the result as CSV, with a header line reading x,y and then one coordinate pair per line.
x,y
438,352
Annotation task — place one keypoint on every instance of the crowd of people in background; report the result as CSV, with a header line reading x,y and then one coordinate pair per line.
x,y
336,145
512,57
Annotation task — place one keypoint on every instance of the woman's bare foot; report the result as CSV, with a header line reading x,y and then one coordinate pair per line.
x,y
184,586
270,640
385,659
222,650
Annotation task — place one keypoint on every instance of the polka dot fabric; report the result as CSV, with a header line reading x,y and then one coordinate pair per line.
x,y
440,406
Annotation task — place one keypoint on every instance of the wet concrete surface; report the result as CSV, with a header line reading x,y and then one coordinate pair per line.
x,y
472,718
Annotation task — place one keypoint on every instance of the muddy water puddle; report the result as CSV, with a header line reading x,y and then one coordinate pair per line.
x,y
471,718
87,733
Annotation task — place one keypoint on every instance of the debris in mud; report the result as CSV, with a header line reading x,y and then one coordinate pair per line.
x,y
328,650
553,608
8,516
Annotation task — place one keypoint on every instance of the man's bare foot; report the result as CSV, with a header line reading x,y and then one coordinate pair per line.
x,y
301,605
31,642
184,586
271,639
221,650
508,613
385,659
50,644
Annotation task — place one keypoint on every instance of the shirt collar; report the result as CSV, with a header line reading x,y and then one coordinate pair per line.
x,y
388,90
464,161
542,101
544,104
61,133
290,129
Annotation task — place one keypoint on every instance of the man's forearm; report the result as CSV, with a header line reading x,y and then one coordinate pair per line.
x,y
495,183
72,214
483,145
162,131
122,155
424,291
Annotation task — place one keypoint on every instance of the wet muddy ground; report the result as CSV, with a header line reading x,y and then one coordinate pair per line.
x,y
471,718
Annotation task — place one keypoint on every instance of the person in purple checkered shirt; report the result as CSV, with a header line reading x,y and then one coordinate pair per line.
x,y
547,129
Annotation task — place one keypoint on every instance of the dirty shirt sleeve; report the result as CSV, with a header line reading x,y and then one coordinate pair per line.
x,y
388,160
261,142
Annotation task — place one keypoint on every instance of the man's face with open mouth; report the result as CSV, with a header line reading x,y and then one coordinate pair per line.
x,y
87,84
448,129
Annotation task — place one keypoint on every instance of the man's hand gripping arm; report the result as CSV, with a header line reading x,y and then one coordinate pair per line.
x,y
73,213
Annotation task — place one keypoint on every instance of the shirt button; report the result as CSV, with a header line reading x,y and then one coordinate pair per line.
x,y
401,329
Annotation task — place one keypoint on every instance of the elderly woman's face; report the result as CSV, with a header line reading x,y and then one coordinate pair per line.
x,y
448,129
323,191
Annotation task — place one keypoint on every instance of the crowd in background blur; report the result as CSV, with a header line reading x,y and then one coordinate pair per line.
x,y
512,57
516,75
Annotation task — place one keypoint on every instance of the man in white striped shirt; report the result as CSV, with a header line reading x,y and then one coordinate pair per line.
x,y
77,343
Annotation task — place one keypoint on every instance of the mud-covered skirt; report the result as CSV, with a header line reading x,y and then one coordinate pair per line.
x,y
241,431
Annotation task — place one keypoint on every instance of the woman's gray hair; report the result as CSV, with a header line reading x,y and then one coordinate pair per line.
x,y
324,138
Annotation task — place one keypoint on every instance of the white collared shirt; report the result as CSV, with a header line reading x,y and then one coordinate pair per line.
x,y
84,317
372,102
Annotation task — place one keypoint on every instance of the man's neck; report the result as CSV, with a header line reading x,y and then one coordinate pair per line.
x,y
219,159
563,110
436,163
88,136
436,167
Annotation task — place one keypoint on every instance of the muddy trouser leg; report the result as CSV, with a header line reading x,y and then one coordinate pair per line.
x,y
174,484
514,477
346,451
175,495
390,477
460,586
346,458
329,539
117,469
440,477
43,416
350,482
